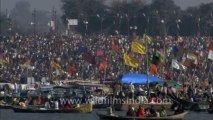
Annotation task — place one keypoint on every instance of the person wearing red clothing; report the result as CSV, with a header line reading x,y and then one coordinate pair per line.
x,y
72,70
39,101
67,106
141,112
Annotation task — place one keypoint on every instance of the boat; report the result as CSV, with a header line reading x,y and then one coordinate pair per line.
x,y
192,106
125,107
5,106
87,108
210,110
117,117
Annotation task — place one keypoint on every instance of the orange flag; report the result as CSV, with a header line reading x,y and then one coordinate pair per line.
x,y
103,65
153,69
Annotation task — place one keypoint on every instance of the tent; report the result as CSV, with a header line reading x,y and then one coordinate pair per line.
x,y
139,79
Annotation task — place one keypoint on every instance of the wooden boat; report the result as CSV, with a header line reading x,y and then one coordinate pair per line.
x,y
5,106
100,106
87,108
125,107
192,106
116,117
210,110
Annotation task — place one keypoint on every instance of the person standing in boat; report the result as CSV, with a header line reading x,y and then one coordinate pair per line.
x,y
56,103
164,90
47,104
132,90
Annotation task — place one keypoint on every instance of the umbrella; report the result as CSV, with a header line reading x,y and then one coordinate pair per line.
x,y
139,79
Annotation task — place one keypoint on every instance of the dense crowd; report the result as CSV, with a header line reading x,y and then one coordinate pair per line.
x,y
79,57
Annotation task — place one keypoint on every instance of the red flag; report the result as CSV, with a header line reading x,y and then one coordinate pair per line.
x,y
90,58
115,46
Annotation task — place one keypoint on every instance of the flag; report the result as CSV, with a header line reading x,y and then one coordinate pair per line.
x,y
103,64
100,52
138,48
192,57
175,51
26,63
115,46
3,60
161,56
147,38
177,65
130,61
153,69
52,24
90,58
189,63
113,54
210,55
55,65
82,49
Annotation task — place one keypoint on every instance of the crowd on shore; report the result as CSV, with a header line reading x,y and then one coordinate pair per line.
x,y
79,57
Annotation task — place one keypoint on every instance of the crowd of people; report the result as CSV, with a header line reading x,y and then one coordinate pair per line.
x,y
79,57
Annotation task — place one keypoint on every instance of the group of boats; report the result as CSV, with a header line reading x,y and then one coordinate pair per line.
x,y
88,107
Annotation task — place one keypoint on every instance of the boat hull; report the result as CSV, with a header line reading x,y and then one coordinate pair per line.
x,y
114,117
6,107
210,110
125,107
83,109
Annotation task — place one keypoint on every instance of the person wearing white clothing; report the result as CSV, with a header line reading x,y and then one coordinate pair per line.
x,y
56,105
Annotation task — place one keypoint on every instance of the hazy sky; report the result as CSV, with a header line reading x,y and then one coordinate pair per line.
x,y
48,4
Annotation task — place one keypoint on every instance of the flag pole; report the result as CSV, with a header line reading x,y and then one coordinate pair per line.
x,y
147,72
147,59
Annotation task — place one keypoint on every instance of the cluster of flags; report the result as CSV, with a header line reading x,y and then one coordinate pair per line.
x,y
137,46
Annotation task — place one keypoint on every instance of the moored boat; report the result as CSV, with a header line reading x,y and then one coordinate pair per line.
x,y
117,117
87,108
210,110
6,107
124,107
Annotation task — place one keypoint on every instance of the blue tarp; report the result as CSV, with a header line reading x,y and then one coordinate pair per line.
x,y
139,79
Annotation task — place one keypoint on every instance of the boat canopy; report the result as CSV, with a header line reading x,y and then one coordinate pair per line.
x,y
139,79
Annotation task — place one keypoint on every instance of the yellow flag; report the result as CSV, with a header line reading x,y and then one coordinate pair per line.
x,y
3,62
138,48
55,65
130,61
147,38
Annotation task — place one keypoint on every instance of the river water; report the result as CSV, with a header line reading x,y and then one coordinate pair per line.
x,y
7,114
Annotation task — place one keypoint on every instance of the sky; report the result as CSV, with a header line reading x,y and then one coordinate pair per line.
x,y
49,4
